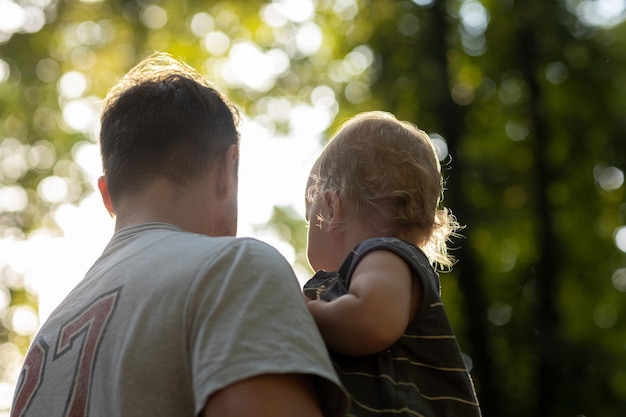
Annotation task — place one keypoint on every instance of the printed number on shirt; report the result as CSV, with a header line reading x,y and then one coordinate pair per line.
x,y
83,332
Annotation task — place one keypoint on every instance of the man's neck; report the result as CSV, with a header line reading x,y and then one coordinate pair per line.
x,y
159,201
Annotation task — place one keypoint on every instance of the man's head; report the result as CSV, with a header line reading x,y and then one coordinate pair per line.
x,y
163,120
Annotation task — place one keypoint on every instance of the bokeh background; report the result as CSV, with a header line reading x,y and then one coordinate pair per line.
x,y
526,100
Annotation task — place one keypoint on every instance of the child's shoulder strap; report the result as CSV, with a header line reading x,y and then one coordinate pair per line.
x,y
411,254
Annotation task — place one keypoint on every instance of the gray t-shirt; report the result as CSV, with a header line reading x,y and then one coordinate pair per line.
x,y
166,318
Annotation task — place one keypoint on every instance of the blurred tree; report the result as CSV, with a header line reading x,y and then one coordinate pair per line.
x,y
523,94
527,96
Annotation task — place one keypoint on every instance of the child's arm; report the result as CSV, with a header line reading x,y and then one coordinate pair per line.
x,y
380,303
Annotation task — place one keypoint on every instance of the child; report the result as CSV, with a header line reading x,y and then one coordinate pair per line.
x,y
375,229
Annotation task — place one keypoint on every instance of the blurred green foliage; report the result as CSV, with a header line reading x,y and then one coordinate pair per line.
x,y
528,96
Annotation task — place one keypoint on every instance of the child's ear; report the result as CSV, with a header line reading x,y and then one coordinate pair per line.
x,y
106,196
334,214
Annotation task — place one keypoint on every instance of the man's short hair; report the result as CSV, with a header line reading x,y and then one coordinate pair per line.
x,y
163,119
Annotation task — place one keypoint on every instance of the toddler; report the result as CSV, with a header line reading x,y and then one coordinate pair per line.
x,y
375,232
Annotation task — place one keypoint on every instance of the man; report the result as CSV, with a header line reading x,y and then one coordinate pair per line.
x,y
177,317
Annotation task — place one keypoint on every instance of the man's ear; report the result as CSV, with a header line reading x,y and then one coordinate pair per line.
x,y
227,171
106,197
332,210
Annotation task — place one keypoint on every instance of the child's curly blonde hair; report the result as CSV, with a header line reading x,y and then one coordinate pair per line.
x,y
386,173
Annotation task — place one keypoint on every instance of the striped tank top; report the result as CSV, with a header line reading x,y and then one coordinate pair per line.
x,y
423,373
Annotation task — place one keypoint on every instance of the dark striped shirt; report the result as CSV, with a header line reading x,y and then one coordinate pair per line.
x,y
423,372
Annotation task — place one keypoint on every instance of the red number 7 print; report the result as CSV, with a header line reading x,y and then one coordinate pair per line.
x,y
90,323
31,376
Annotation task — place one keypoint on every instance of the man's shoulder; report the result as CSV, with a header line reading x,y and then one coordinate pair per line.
x,y
247,245
169,247
237,250
170,235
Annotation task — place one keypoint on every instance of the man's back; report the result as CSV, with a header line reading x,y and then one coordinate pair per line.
x,y
163,320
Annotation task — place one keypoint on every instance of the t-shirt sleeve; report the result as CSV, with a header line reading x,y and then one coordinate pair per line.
x,y
248,318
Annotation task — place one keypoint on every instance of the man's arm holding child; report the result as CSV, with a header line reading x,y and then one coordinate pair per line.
x,y
269,395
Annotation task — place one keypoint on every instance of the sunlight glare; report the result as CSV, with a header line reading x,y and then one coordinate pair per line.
x,y
271,16
202,23
5,297
48,70
41,3
357,92
12,16
324,96
600,12
216,42
263,183
610,8
297,11
23,320
45,119
338,72
5,71
307,119
609,178
475,17
280,61
153,17
14,162
7,388
346,9
53,189
424,3
89,32
440,144
250,66
81,115
13,199
11,360
86,230
34,19
463,93
42,155
358,60
87,156
516,131
72,84
619,279
278,108
309,38
620,238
